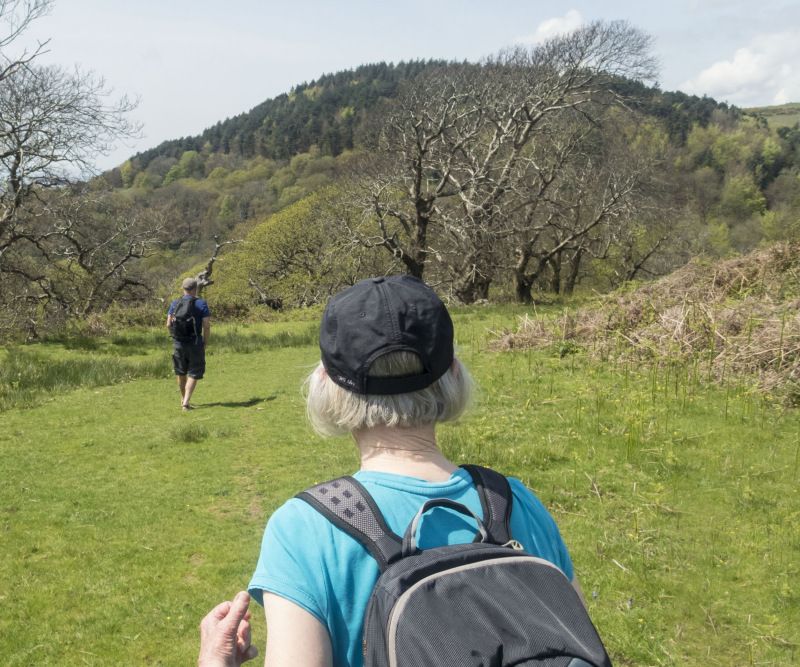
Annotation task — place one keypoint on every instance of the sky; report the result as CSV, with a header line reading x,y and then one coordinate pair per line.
x,y
192,63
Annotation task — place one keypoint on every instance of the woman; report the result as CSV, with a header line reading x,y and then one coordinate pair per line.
x,y
388,375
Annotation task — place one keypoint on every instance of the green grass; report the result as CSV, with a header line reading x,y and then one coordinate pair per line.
x,y
124,520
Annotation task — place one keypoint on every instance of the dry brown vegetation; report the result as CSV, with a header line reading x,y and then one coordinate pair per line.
x,y
738,316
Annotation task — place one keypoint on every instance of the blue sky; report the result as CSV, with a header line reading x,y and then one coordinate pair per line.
x,y
193,63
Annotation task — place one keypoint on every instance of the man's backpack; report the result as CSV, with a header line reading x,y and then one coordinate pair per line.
x,y
183,325
487,603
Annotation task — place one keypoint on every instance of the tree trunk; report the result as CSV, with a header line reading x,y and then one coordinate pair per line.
x,y
276,303
522,288
555,279
523,282
574,269
472,288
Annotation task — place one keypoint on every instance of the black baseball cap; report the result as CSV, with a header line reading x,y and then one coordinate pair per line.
x,y
380,315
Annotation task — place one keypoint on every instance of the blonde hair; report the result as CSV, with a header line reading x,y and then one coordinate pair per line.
x,y
334,410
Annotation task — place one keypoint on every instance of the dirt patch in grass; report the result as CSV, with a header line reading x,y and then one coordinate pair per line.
x,y
255,509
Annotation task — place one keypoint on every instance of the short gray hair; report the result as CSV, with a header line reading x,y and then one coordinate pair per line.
x,y
333,410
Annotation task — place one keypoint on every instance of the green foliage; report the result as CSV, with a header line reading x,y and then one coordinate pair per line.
x,y
127,174
145,181
741,198
190,165
297,255
227,207
782,225
172,175
284,255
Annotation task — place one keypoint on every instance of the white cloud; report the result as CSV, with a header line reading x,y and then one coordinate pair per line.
x,y
767,71
552,28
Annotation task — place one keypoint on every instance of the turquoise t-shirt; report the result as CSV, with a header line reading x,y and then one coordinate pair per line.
x,y
306,559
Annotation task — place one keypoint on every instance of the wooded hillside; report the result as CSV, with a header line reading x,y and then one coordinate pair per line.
x,y
535,172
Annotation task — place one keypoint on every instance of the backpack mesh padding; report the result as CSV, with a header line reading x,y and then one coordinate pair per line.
x,y
516,610
351,508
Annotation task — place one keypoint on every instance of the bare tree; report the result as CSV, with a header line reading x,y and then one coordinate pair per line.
x,y
15,17
204,277
82,252
400,185
463,148
59,236
597,198
51,123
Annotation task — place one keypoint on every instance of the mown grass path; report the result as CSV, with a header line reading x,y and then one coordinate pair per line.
x,y
124,520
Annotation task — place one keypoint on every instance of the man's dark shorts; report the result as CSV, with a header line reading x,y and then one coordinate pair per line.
x,y
189,359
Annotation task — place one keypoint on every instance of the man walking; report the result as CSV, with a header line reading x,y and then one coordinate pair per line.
x,y
189,323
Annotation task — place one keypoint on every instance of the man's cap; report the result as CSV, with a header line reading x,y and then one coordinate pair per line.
x,y
189,284
380,315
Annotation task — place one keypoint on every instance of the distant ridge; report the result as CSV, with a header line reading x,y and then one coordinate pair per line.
x,y
324,112
328,111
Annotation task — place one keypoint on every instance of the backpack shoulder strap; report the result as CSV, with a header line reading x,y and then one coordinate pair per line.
x,y
349,506
496,502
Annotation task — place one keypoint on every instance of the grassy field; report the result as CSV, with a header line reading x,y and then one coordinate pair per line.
x,y
125,520
784,115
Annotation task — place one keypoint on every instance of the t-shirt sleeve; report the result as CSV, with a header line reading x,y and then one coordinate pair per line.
x,y
171,308
204,311
536,529
289,565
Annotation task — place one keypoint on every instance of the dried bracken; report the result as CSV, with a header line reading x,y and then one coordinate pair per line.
x,y
740,315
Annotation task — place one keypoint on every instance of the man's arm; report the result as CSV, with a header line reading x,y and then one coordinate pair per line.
x,y
206,331
169,319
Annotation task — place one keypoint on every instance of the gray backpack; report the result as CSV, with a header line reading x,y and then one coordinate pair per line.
x,y
485,603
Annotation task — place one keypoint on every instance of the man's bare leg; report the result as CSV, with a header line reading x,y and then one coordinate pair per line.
x,y
187,392
182,386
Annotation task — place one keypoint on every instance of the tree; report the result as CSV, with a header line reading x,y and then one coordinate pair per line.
x,y
293,259
15,17
82,252
461,149
53,124
605,200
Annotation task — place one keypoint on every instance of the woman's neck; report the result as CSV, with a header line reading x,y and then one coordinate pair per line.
x,y
403,451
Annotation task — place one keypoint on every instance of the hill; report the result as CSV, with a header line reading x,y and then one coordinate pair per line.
x,y
324,112
327,112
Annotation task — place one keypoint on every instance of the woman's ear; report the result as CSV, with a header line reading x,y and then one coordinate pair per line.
x,y
455,367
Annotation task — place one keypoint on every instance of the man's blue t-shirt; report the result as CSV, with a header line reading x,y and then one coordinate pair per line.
x,y
200,311
306,559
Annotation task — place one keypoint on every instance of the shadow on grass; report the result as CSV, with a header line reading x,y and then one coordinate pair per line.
x,y
238,404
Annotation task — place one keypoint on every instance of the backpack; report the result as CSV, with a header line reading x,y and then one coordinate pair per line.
x,y
485,603
183,326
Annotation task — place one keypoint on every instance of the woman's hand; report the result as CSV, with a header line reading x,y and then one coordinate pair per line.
x,y
225,634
